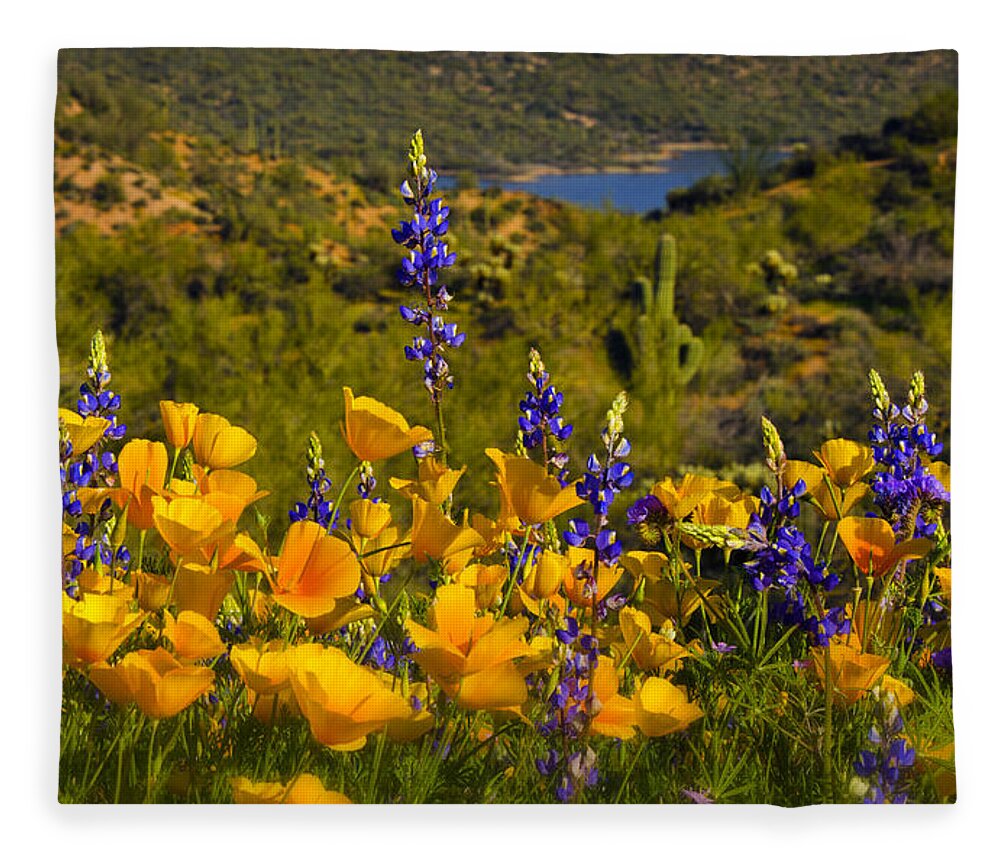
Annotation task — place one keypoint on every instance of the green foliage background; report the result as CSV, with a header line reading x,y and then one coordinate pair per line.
x,y
235,300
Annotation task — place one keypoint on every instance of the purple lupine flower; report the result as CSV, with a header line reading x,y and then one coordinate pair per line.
x,y
427,256
95,467
782,558
602,483
901,443
316,507
540,424
882,771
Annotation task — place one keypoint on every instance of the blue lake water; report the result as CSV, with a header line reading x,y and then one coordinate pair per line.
x,y
627,192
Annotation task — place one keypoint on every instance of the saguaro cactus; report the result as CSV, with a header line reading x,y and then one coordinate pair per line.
x,y
664,353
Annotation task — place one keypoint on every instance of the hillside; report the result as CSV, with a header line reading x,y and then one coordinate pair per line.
x,y
258,284
490,110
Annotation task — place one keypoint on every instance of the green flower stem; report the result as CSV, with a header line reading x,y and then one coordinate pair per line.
x,y
631,767
513,576
828,724
340,498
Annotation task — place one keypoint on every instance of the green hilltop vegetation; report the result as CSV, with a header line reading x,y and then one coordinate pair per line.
x,y
486,111
257,281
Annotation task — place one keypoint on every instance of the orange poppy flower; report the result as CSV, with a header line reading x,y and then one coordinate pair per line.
x,y
662,709
83,433
369,518
614,714
313,570
527,491
200,588
872,545
436,536
95,626
649,650
158,684
375,432
220,445
853,673
142,469
191,527
607,576
305,788
342,702
193,636
435,482
471,658
178,422
845,461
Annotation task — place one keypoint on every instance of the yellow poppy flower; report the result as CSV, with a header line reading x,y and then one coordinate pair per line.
x,y
158,684
649,650
193,636
374,432
305,788
845,461
854,674
485,580
142,469
152,590
648,565
178,422
218,444
681,499
833,505
614,715
345,611
900,690
191,527
262,666
528,491
95,626
872,545
548,573
436,536
943,575
83,433
663,601
419,721
471,658
435,482
607,577
342,702
230,492
369,518
383,552
313,570
662,709
200,588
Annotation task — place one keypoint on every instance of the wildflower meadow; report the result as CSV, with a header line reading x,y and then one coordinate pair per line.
x,y
586,636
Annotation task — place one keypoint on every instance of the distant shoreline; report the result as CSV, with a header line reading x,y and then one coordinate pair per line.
x,y
634,162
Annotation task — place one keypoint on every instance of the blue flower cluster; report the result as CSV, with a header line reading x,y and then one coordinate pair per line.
x,y
316,507
601,483
900,442
883,769
428,254
541,424
385,654
781,557
97,467
568,715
